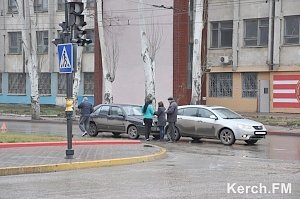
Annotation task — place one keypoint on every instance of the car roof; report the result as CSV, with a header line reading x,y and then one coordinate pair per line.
x,y
118,105
200,106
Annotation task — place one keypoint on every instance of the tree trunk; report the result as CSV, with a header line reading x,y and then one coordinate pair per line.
x,y
196,66
30,49
77,76
149,63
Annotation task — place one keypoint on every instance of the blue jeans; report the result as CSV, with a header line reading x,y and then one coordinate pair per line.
x,y
162,132
84,123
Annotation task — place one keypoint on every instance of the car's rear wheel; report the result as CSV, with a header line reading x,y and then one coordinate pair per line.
x,y
116,134
132,132
250,142
227,137
93,130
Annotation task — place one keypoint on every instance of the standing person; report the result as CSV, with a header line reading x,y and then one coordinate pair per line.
x,y
86,108
148,112
161,119
172,118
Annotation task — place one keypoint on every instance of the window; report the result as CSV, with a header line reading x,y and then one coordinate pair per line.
x,y
15,42
189,112
204,113
220,85
249,84
62,84
60,5
90,35
256,32
17,83
221,34
42,42
103,110
12,6
116,111
0,82
292,30
45,83
88,83
40,5
90,4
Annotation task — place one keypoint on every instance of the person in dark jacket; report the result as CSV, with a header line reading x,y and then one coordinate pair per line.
x,y
172,118
86,108
161,119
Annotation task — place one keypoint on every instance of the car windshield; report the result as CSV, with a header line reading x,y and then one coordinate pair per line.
x,y
133,110
227,113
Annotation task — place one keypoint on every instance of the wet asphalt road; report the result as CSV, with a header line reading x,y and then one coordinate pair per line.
x,y
208,169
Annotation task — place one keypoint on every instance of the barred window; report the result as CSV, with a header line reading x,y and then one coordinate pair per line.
x,y
220,85
45,83
90,35
17,83
256,32
88,83
292,30
0,82
15,42
62,84
12,6
249,84
221,34
42,42
40,5
60,5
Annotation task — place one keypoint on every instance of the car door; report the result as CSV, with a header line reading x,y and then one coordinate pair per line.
x,y
204,125
100,117
116,119
186,121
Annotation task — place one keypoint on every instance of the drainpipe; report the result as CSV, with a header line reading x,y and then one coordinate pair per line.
x,y
235,39
271,34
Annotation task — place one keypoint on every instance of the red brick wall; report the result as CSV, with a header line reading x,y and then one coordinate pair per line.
x,y
180,52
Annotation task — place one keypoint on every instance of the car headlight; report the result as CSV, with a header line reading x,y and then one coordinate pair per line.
x,y
244,127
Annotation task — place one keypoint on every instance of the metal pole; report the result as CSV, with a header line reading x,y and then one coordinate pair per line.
x,y
69,99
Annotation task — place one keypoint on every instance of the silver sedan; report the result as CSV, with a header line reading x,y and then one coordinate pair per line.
x,y
216,122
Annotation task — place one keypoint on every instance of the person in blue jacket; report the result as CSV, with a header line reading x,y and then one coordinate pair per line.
x,y
148,112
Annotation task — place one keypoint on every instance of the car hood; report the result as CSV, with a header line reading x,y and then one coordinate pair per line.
x,y
244,122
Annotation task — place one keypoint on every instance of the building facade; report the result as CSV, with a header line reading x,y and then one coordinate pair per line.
x,y
253,60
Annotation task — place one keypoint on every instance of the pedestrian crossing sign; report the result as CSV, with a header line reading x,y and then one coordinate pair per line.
x,y
65,58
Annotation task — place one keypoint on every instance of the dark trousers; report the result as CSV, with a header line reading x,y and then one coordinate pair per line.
x,y
148,124
172,131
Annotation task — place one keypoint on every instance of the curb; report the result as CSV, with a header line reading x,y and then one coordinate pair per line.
x,y
283,133
64,143
83,165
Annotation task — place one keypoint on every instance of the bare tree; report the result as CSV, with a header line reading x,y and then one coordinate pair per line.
x,y
26,13
150,45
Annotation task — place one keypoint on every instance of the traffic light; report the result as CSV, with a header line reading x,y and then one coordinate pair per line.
x,y
61,34
76,17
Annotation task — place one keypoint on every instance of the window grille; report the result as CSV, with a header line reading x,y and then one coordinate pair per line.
x,y
90,35
40,5
62,84
45,83
292,30
16,83
221,34
15,42
90,4
42,42
12,6
256,32
220,85
249,85
88,83
60,5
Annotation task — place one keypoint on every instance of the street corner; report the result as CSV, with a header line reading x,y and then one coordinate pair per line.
x,y
157,153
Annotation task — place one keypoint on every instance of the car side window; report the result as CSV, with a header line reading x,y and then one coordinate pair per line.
x,y
180,111
103,110
204,113
116,111
190,112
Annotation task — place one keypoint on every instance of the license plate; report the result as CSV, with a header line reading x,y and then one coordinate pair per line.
x,y
260,133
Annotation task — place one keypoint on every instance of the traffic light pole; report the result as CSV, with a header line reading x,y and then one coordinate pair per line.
x,y
69,99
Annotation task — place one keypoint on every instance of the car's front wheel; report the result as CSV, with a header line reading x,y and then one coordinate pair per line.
x,y
93,130
132,132
177,133
251,142
227,137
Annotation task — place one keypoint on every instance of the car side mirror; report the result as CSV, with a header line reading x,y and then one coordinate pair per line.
x,y
213,117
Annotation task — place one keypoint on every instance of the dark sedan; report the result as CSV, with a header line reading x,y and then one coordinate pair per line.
x,y
118,119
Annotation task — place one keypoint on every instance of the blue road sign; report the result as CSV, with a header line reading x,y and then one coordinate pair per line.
x,y
65,58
